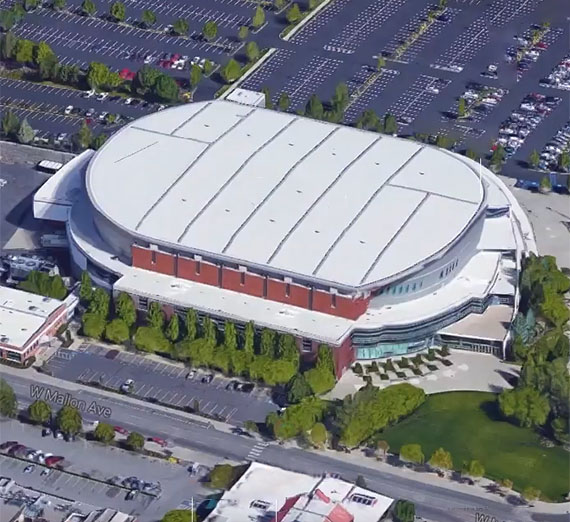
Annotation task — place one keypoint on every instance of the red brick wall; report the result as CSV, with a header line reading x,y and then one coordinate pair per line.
x,y
343,357
208,272
277,291
142,258
253,285
231,279
345,306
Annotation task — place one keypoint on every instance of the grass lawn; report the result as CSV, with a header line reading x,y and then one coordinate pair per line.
x,y
468,425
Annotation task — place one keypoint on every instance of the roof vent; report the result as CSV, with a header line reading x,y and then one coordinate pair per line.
x,y
272,220
290,144
362,242
227,209
421,173
299,191
377,163
317,231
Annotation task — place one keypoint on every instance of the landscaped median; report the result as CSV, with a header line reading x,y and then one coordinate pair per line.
x,y
297,19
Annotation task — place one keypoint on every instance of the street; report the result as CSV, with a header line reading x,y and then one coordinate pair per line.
x,y
437,503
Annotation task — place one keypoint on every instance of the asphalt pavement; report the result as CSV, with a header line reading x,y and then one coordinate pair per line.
x,y
434,502
160,381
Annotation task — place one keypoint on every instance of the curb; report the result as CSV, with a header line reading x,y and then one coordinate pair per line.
x,y
306,20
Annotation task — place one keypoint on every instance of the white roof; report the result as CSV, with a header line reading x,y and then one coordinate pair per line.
x,y
274,486
22,314
247,97
492,324
278,191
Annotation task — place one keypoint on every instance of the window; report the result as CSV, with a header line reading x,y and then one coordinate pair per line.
x,y
242,279
287,290
366,500
333,300
413,287
393,290
407,288
400,289
198,263
153,257
307,346
143,303
260,504
441,275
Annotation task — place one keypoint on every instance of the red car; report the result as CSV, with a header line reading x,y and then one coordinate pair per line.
x,y
157,440
51,461
121,430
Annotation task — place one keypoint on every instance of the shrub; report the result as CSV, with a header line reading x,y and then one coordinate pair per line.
x,y
401,375
357,368
374,366
417,371
446,362
384,377
404,363
432,367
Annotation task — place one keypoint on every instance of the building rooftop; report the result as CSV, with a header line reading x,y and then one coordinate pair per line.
x,y
22,314
269,493
280,192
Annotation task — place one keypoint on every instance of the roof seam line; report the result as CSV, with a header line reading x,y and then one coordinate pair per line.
x,y
194,161
272,191
137,151
396,234
320,197
431,193
199,111
364,207
169,135
233,176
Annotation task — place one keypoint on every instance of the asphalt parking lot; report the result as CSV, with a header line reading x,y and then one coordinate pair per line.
x,y
340,44
167,383
87,461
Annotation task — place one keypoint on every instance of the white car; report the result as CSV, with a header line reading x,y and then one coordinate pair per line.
x,y
148,59
68,109
128,101
202,62
90,94
195,60
103,96
432,89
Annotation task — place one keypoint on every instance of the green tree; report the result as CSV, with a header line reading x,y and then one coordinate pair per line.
x,y
68,420
195,75
231,71
180,515
100,302
150,339
83,137
230,336
280,4
8,401
390,124
210,331
298,388
97,75
267,94
258,18
148,18
125,308
314,107
155,316
117,331
249,339
471,154
43,284
135,441
243,32
224,476
293,14
545,185
48,68
380,63
530,493
498,156
461,108
564,162
208,67
506,483
24,51
340,98
527,405
267,343
30,5
473,468
404,511
318,434
441,459
7,20
88,8
166,88
145,79
180,27
319,380
383,446
19,12
412,453
284,102
104,433
39,412
118,11
252,51
42,52
114,81
93,325
534,159
86,288
25,133
173,329
58,5
191,324
8,45
210,30
10,124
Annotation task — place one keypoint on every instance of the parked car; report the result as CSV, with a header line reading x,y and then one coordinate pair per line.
x,y
58,434
132,494
53,460
159,441
121,430
46,472
208,378
102,96
127,386
30,468
90,113
8,444
68,109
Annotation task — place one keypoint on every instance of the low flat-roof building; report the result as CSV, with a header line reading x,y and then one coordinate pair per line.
x,y
274,494
27,321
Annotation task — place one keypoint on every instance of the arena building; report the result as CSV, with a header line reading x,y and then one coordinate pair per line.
x,y
375,245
